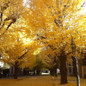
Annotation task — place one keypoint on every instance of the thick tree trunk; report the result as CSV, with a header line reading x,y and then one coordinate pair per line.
x,y
63,69
16,70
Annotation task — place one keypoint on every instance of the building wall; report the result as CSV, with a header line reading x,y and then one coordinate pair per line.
x,y
83,71
70,69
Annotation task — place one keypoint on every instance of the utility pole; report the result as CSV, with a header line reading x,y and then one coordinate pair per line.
x,y
74,51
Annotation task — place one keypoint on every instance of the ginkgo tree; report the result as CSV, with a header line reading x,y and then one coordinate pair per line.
x,y
10,12
17,42
18,52
18,45
50,62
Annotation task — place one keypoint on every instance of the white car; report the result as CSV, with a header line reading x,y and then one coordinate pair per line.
x,y
45,72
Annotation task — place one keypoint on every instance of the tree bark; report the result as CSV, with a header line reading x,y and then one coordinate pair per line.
x,y
38,71
16,70
74,66
51,72
55,72
63,69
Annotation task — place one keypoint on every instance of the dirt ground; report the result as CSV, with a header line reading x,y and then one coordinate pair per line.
x,y
39,81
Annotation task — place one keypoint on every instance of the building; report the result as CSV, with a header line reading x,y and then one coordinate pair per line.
x,y
82,67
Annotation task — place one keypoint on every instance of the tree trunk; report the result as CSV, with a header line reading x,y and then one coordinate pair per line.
x,y
51,72
38,71
55,71
34,73
63,69
16,70
74,66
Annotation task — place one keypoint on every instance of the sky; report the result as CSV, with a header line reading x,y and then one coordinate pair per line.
x,y
26,3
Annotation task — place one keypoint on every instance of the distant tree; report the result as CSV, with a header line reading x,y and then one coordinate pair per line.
x,y
51,63
38,65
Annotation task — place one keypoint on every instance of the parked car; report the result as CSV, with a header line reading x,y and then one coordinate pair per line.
x,y
45,72
31,73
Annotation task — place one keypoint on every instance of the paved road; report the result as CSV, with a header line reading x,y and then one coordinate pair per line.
x,y
29,81
39,81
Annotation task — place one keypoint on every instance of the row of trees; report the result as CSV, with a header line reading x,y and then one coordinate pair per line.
x,y
60,25
57,27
